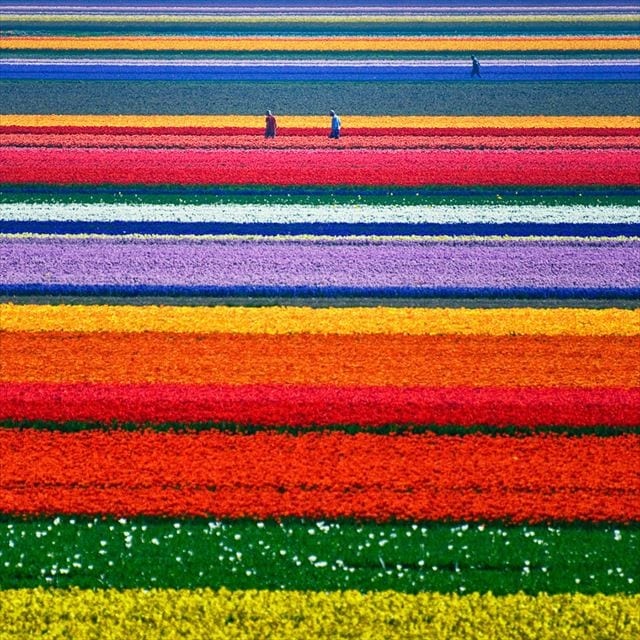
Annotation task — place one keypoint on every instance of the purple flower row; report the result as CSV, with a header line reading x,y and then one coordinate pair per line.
x,y
335,263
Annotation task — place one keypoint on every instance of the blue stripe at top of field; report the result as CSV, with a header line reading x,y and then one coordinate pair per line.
x,y
337,229
319,70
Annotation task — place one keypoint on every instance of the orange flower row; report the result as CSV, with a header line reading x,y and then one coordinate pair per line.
x,y
343,360
265,475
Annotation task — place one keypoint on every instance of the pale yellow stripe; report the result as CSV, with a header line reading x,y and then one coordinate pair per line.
x,y
293,121
321,18
289,615
141,43
340,321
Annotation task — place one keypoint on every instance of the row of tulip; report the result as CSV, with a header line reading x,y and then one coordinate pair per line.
x,y
322,475
329,321
502,124
404,167
314,139
319,360
293,615
298,408
277,43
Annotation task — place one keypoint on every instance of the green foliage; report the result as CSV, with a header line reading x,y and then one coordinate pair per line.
x,y
305,554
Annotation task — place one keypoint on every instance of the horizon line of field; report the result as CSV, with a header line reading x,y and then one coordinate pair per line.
x,y
392,14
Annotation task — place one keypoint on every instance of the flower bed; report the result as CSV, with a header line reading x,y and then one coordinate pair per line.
x,y
404,167
380,386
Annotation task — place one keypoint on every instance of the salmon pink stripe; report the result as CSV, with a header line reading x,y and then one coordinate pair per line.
x,y
326,167
396,132
200,141
290,405
267,475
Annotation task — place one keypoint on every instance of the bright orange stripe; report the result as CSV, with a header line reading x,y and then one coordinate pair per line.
x,y
288,121
480,43
321,475
351,360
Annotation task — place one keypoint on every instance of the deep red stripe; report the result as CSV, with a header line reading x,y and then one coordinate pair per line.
x,y
300,406
324,167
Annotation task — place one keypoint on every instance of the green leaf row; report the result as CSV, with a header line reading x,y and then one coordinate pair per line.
x,y
74,426
376,196
319,555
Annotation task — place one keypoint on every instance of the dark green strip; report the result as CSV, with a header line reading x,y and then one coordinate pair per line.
x,y
363,98
302,554
313,55
318,195
75,426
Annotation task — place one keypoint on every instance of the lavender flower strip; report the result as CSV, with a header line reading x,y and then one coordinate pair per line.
x,y
182,262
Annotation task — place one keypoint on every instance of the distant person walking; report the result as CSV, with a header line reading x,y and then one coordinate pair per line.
x,y
475,67
335,125
271,125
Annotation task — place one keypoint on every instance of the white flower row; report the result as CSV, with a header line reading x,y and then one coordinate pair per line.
x,y
261,213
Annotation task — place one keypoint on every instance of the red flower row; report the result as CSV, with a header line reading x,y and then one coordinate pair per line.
x,y
320,405
395,132
424,477
195,141
329,167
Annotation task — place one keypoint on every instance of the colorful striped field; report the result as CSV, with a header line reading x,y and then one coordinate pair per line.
x,y
379,386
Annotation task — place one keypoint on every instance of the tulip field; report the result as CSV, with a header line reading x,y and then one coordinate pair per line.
x,y
380,386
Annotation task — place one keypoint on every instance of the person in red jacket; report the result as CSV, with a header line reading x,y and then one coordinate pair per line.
x,y
271,125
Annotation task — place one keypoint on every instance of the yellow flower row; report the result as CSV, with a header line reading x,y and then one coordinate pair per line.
x,y
344,321
479,43
293,121
289,615
319,17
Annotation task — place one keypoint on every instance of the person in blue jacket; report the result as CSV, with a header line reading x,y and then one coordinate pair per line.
x,y
335,125
475,67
